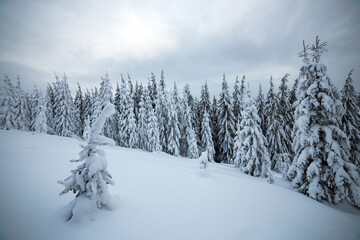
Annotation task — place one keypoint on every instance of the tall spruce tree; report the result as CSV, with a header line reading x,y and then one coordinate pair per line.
x,y
250,152
214,124
35,96
207,143
7,106
285,110
321,168
131,128
173,134
260,106
161,110
272,124
142,122
123,113
22,114
50,109
351,119
236,100
64,109
226,124
189,137
79,112
40,122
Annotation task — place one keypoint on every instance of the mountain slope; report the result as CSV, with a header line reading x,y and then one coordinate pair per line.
x,y
160,197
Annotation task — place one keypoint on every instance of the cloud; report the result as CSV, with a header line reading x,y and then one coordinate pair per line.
x,y
192,41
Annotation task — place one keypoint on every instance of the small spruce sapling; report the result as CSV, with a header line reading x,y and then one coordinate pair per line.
x,y
90,179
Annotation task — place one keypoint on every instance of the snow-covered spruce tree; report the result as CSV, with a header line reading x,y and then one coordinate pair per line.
x,y
272,124
351,119
285,111
192,102
236,100
131,128
87,108
40,123
152,130
79,112
105,95
250,152
64,110
7,106
293,100
277,139
142,122
173,130
35,96
153,90
90,179
226,124
260,106
22,114
204,104
321,168
189,135
116,116
123,112
161,110
206,138
214,124
137,98
50,109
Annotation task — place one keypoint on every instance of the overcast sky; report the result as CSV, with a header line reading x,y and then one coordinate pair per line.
x,y
192,41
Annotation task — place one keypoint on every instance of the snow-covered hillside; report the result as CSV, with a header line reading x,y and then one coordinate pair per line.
x,y
160,197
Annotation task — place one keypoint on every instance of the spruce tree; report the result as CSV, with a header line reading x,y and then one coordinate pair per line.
x,y
131,128
321,168
236,100
35,96
285,110
89,181
173,129
226,124
272,125
153,144
351,119
153,90
40,123
87,105
50,109
214,124
22,119
64,109
151,123
162,109
79,112
207,143
189,137
7,106
260,106
250,152
142,123
123,113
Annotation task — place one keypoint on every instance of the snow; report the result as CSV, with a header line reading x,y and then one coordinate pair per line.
x,y
160,197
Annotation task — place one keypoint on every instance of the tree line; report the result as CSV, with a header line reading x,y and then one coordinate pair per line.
x,y
309,133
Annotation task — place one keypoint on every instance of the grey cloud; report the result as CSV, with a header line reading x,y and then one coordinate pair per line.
x,y
192,41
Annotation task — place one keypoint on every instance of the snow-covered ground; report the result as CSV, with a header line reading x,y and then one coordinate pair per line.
x,y
160,197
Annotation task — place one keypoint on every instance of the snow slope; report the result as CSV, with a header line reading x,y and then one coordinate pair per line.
x,y
161,197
